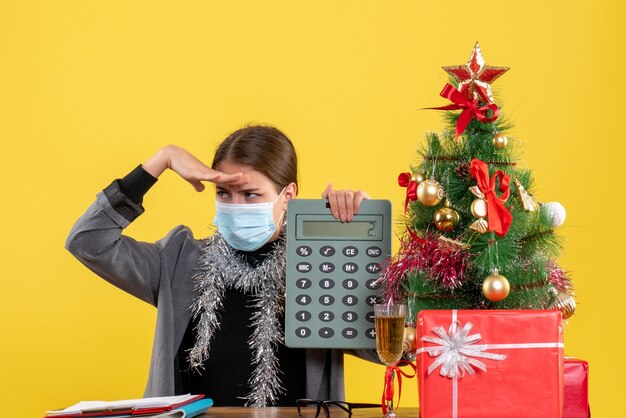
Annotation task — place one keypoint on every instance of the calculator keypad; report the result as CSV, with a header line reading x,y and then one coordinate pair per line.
x,y
349,285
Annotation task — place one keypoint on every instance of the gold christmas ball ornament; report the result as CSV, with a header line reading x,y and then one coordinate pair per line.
x,y
496,287
409,344
564,302
418,177
500,140
429,192
446,218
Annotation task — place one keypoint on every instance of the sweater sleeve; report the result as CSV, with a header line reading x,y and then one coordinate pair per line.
x,y
96,240
136,184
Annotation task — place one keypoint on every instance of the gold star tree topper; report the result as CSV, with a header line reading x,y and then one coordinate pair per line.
x,y
475,77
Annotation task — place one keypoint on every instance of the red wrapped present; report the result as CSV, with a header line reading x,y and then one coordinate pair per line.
x,y
490,363
575,389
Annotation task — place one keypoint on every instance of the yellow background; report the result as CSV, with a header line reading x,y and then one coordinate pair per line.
x,y
90,89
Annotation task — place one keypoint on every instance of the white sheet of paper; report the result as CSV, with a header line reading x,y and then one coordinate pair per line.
x,y
128,403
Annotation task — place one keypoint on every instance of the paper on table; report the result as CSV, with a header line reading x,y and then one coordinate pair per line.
x,y
85,406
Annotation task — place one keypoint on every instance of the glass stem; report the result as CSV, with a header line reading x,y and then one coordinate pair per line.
x,y
390,401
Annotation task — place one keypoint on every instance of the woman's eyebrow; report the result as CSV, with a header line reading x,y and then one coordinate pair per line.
x,y
249,190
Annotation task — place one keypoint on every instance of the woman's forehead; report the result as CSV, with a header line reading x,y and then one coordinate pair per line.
x,y
230,167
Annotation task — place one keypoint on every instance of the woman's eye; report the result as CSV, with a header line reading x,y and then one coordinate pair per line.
x,y
251,195
223,194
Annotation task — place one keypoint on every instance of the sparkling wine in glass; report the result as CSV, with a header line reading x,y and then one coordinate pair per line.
x,y
389,338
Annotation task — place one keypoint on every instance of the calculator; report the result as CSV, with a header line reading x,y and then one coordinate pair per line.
x,y
332,272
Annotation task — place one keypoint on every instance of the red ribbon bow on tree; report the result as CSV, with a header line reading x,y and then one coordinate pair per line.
x,y
470,109
498,216
388,389
406,180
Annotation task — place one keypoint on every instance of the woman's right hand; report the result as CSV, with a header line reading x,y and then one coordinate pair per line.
x,y
189,167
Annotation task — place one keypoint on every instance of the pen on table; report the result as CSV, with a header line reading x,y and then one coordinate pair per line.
x,y
128,407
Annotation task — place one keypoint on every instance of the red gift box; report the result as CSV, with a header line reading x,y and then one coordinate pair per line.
x,y
575,389
490,363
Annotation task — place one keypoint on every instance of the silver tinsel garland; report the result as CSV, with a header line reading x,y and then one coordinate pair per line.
x,y
220,267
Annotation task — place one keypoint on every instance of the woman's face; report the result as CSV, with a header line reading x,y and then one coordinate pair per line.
x,y
259,189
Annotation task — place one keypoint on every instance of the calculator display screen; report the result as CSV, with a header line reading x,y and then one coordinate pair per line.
x,y
334,229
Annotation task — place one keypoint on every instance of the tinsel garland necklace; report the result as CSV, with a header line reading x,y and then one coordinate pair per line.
x,y
220,267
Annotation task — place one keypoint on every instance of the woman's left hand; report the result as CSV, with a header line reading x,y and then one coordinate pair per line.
x,y
344,204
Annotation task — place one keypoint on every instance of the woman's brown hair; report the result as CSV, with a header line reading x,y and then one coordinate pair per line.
x,y
264,148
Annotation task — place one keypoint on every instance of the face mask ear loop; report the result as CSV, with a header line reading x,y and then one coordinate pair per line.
x,y
282,221
281,192
284,210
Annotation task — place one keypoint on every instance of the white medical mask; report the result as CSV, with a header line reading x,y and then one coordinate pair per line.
x,y
246,227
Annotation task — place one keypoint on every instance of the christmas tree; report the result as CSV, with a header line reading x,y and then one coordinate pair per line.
x,y
475,236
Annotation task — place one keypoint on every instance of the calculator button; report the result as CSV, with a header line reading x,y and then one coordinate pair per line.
x,y
327,251
303,283
371,333
304,251
349,332
374,251
350,251
303,267
327,300
327,283
350,268
350,300
349,316
372,300
372,284
373,267
303,299
303,316
303,332
369,317
350,284
326,332
327,267
326,316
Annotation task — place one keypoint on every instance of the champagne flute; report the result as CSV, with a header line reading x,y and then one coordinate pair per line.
x,y
389,338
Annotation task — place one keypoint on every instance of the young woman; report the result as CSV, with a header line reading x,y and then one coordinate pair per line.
x,y
220,300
